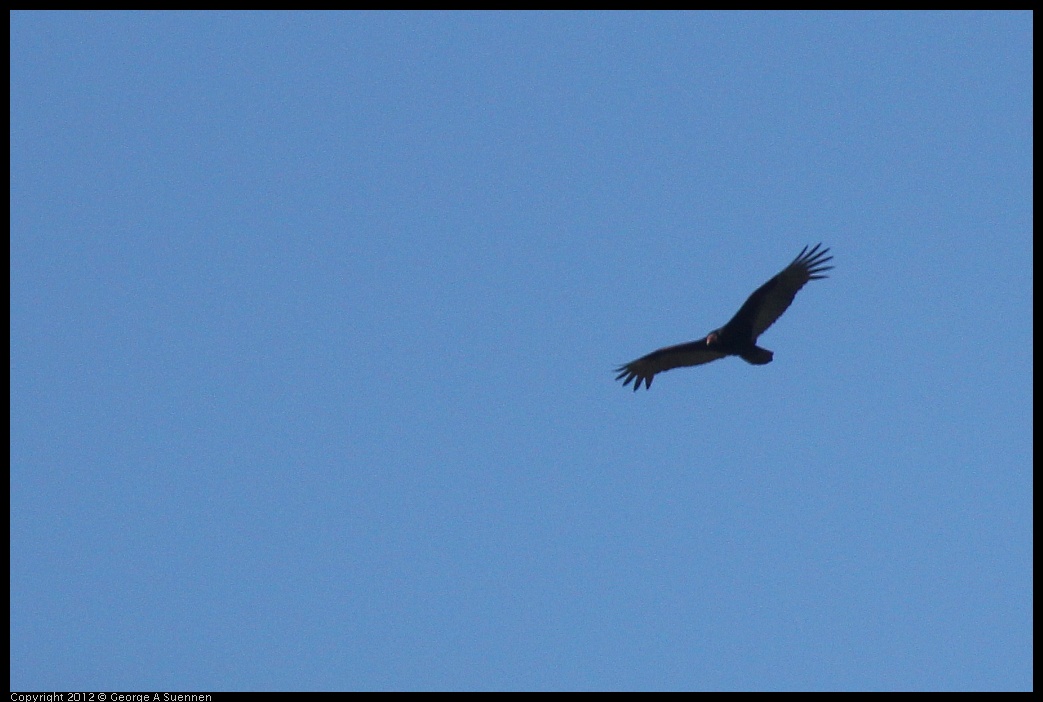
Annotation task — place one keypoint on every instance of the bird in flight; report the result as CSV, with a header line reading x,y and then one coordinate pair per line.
x,y
739,336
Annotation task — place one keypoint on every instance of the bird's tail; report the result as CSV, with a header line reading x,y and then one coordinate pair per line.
x,y
757,356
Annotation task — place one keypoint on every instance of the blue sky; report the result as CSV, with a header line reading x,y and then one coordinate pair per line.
x,y
314,320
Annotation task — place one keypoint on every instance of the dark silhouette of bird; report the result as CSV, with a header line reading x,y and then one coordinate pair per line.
x,y
739,336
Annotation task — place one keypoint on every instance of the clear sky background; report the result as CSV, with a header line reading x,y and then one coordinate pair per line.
x,y
314,320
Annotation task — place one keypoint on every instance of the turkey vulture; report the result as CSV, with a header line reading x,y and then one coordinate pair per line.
x,y
739,336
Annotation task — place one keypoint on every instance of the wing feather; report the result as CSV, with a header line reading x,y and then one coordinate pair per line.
x,y
694,353
769,301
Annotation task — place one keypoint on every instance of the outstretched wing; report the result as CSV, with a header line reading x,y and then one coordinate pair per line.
x,y
693,353
770,300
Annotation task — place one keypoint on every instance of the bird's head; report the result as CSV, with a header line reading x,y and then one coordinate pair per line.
x,y
713,338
